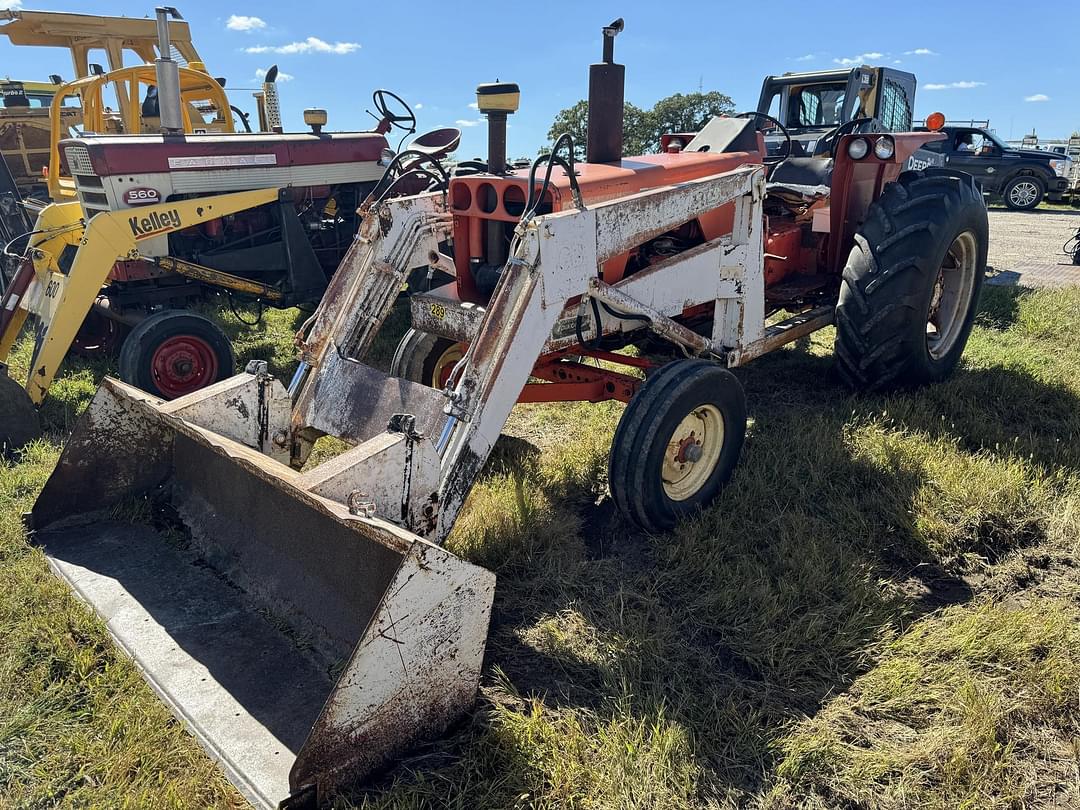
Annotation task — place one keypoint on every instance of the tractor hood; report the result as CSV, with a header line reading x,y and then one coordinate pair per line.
x,y
108,155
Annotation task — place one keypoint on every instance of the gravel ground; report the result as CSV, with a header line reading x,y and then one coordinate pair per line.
x,y
1035,236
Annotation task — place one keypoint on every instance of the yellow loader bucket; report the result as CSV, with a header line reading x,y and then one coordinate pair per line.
x,y
304,640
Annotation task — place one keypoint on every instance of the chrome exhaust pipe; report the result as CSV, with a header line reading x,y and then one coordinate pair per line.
x,y
168,75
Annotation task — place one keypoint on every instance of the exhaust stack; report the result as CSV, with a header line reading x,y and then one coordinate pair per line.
x,y
496,101
604,140
168,75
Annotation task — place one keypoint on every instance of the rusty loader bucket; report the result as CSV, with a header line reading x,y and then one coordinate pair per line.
x,y
301,621
303,643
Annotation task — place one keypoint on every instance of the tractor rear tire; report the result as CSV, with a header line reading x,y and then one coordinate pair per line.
x,y
176,352
912,282
422,357
19,423
677,443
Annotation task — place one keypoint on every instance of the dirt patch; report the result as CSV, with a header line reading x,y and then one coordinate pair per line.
x,y
1033,236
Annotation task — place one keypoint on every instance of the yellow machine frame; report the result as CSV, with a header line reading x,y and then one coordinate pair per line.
x,y
61,300
82,33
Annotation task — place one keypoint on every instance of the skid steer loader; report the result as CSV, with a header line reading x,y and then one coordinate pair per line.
x,y
304,620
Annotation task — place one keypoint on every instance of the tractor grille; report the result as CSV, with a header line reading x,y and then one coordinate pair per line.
x,y
78,160
88,185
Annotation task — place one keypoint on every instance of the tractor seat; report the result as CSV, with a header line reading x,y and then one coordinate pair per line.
x,y
803,171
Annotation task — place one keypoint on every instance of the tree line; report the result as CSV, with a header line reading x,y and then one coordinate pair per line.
x,y
681,112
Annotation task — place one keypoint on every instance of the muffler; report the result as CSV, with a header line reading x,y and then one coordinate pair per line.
x,y
304,639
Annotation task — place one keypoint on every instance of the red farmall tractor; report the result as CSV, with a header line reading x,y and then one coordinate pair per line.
x,y
823,226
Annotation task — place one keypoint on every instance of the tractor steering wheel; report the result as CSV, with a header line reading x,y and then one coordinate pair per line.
x,y
833,135
380,99
772,162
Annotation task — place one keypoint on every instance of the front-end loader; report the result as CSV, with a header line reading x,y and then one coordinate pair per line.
x,y
303,618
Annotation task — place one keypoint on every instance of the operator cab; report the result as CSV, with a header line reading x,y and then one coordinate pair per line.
x,y
813,105
816,108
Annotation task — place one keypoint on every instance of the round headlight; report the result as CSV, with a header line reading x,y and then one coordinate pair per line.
x,y
885,148
858,149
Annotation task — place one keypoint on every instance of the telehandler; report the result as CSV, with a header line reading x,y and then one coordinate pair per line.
x,y
310,627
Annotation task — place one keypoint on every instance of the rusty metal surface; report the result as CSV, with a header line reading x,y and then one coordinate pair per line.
x,y
115,452
253,409
412,673
237,622
780,334
395,472
441,312
355,402
324,575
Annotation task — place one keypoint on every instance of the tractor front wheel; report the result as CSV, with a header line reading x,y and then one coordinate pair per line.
x,y
19,423
425,358
677,443
173,353
912,282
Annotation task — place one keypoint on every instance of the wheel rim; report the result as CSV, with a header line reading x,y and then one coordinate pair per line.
x,y
440,374
951,298
1024,194
183,364
693,452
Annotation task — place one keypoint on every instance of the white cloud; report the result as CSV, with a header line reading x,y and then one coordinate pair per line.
x,y
240,22
1037,97
282,76
466,122
10,5
473,105
921,52
309,45
806,57
953,86
858,60
418,106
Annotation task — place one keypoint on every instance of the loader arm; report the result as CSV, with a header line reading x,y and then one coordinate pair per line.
x,y
61,300
557,259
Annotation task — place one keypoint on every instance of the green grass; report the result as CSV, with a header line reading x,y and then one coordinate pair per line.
x,y
880,611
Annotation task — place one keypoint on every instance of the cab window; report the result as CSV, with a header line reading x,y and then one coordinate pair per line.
x,y
819,105
895,110
972,142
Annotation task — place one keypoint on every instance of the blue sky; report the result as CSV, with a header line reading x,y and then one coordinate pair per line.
x,y
434,54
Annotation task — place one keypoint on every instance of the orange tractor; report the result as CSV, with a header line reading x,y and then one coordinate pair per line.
x,y
313,628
